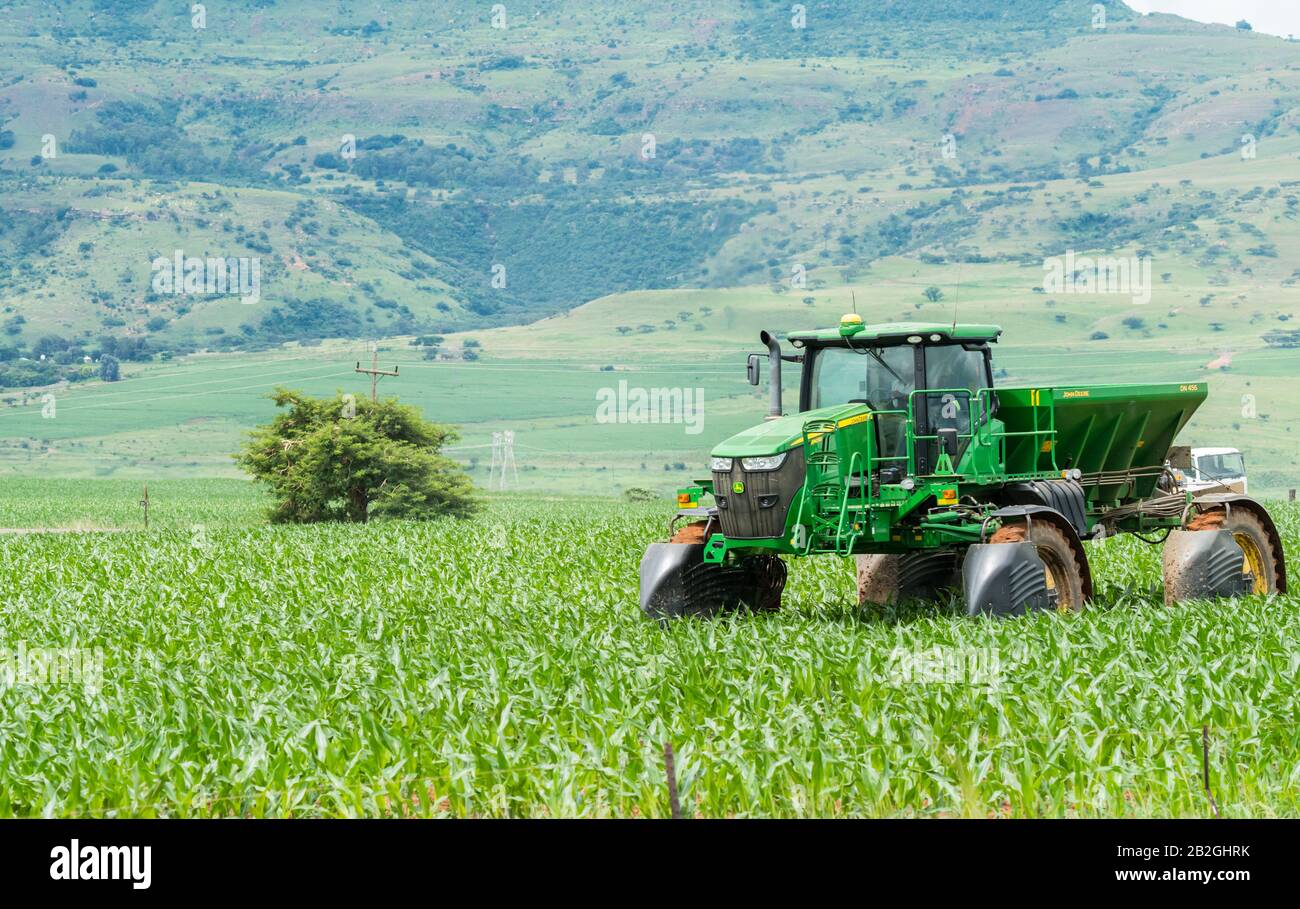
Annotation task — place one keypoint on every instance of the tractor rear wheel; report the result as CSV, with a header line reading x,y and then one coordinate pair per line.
x,y
1067,572
1262,560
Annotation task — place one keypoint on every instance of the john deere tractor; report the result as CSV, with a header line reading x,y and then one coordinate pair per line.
x,y
906,456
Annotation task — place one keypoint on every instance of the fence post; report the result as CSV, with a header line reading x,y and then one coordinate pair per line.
x,y
1205,767
671,771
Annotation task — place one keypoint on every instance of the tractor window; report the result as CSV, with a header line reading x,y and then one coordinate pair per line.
x,y
881,376
952,366
949,368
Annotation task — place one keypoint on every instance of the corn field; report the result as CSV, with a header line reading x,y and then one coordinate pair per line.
x,y
502,668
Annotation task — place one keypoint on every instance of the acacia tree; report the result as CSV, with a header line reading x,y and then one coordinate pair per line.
x,y
332,459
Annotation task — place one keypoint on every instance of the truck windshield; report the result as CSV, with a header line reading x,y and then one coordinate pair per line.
x,y
1221,466
881,376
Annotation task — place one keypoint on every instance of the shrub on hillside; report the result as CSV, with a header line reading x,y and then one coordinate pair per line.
x,y
109,369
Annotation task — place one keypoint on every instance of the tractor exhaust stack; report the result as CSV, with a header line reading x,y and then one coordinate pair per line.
x,y
774,374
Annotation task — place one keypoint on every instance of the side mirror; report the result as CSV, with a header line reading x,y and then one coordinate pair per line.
x,y
751,369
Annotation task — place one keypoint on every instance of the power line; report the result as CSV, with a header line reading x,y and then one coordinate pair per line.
x,y
129,405
92,395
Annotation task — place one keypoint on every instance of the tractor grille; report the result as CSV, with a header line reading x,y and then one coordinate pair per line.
x,y
759,512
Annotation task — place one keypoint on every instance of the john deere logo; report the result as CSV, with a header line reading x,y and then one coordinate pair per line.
x,y
737,487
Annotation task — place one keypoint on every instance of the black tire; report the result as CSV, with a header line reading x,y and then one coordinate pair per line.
x,y
754,584
1067,567
924,575
1262,548
706,590
767,575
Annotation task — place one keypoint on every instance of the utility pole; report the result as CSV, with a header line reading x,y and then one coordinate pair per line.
x,y
375,372
144,503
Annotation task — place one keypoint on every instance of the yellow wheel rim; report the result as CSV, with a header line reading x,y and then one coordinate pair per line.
x,y
1254,563
1050,580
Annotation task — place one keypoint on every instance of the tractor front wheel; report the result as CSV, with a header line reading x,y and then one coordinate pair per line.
x,y
884,580
677,582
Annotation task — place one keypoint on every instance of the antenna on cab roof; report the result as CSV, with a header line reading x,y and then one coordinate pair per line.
x,y
957,296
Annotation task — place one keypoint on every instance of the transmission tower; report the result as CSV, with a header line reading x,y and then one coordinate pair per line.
x,y
503,456
508,457
496,457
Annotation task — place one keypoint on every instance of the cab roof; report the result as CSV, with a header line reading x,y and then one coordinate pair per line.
x,y
899,332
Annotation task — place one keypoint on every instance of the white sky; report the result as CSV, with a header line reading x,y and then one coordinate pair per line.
x,y
1273,17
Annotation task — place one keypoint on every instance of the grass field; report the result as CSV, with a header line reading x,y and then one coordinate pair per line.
x,y
503,668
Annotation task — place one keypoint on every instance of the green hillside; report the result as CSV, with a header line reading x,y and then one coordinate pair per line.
x,y
523,148
626,191
185,417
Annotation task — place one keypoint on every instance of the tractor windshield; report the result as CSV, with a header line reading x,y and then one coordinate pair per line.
x,y
880,376
884,377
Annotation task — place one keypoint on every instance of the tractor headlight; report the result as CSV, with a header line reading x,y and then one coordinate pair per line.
x,y
770,462
722,465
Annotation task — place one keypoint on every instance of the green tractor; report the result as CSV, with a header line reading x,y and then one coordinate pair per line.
x,y
905,456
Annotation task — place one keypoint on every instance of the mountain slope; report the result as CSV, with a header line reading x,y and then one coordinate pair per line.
x,y
501,174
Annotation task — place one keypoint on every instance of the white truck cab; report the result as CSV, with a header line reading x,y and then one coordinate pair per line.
x,y
1205,470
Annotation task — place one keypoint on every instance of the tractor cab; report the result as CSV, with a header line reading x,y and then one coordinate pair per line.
x,y
884,412
937,378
